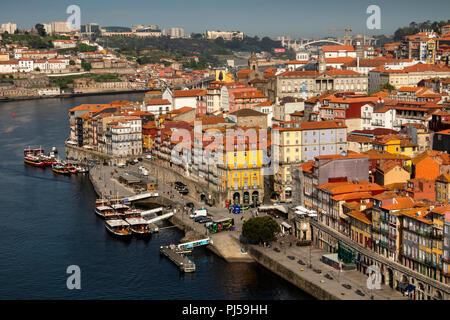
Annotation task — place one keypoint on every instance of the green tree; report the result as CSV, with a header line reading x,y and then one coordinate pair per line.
x,y
40,29
260,229
86,65
387,86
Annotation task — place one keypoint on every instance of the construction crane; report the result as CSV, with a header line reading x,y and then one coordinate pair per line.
x,y
347,30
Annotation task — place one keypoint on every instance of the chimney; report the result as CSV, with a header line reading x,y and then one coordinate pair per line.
x,y
357,62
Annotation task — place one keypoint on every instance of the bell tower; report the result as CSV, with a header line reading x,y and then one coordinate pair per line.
x,y
253,62
322,63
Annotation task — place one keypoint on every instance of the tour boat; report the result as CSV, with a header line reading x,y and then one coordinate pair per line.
x,y
118,227
28,151
48,159
34,161
120,207
103,210
131,213
139,226
38,151
59,169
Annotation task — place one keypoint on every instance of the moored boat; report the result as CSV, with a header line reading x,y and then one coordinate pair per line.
x,y
131,213
59,169
139,226
118,227
33,160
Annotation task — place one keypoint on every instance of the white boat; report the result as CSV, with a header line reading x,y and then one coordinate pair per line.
x,y
118,227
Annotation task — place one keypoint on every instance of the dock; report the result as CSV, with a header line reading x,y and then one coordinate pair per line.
x,y
177,257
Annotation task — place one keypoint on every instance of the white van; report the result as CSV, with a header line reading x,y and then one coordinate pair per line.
x,y
199,213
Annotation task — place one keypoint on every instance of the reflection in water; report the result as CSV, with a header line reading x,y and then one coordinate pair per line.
x,y
48,223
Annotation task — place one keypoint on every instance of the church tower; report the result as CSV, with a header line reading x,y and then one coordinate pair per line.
x,y
322,63
253,62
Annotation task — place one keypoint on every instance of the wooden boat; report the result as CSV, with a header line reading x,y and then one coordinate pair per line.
x,y
34,161
131,213
139,226
119,207
118,227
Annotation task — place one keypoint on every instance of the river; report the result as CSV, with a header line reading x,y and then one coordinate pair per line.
x,y
47,223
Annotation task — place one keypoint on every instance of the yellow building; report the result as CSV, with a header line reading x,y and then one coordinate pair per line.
x,y
396,145
149,132
223,76
241,172
443,188
4,57
390,172
360,222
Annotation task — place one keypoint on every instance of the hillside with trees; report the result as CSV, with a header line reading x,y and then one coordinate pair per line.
x,y
151,50
415,27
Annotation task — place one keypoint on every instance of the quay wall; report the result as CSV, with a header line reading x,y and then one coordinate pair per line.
x,y
96,92
290,276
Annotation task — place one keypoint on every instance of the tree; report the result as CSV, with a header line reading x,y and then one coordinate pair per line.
x,y
71,62
40,29
86,65
387,86
260,229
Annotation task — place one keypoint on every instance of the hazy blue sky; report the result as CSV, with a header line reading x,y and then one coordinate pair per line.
x,y
308,18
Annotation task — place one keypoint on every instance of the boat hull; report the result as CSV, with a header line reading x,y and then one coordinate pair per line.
x,y
34,164
141,234
59,171
118,234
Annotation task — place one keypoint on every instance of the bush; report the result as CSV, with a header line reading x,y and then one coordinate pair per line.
x,y
260,229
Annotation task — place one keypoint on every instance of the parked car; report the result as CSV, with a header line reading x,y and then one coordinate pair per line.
x,y
183,191
199,219
148,156
190,205
205,220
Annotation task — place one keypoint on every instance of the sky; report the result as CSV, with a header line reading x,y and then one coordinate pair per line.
x,y
297,18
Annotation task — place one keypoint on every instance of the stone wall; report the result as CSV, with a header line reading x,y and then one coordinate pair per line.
x,y
290,276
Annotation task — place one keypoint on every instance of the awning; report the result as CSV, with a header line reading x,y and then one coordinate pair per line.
x,y
286,226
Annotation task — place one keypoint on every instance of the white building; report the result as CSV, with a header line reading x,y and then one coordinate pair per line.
x,y
64,44
9,27
124,137
174,32
53,91
26,65
384,117
339,51
157,106
9,66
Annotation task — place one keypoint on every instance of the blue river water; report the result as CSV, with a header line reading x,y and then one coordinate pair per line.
x,y
47,223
